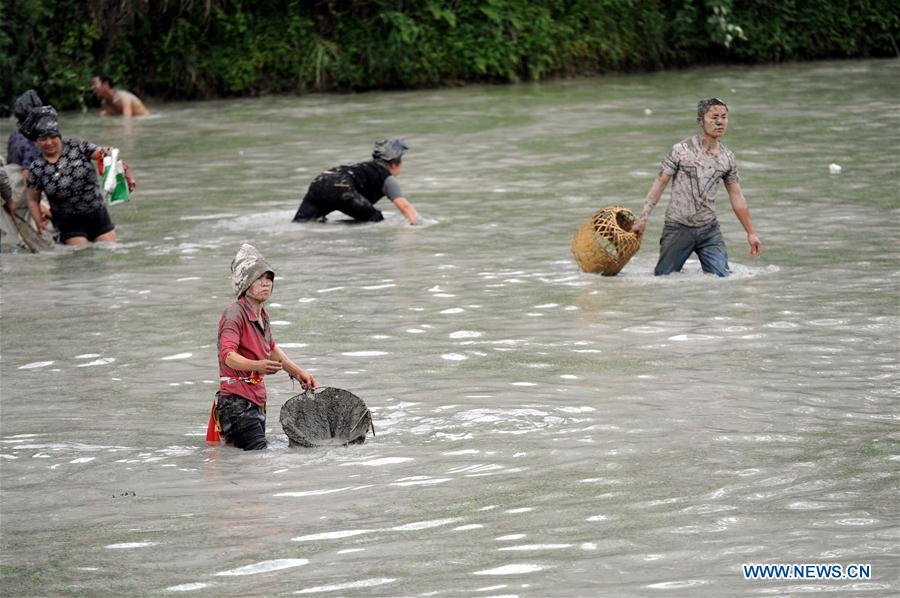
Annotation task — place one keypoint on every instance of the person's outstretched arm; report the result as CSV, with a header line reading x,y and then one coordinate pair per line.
x,y
406,208
656,191
294,370
739,205
34,207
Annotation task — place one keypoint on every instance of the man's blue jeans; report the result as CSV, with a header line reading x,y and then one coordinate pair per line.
x,y
679,241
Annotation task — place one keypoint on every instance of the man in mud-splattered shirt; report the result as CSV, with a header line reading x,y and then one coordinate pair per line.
x,y
695,166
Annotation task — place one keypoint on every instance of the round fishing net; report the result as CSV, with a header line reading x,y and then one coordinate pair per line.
x,y
328,417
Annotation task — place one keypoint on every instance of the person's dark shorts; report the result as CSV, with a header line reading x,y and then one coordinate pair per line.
x,y
328,193
90,225
243,423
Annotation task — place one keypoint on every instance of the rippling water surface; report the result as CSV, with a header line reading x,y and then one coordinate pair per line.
x,y
540,431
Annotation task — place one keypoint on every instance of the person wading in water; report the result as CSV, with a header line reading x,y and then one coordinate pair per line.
x,y
247,353
696,165
354,189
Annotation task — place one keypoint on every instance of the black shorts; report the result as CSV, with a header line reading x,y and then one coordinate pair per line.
x,y
243,423
329,193
90,225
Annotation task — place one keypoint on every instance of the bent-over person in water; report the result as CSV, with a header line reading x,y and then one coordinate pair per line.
x,y
355,188
695,166
116,102
247,353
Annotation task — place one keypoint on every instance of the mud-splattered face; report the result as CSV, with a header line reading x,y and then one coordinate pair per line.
x,y
261,289
715,121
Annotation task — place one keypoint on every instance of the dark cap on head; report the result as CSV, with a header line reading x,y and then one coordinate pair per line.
x,y
703,106
41,122
389,150
25,103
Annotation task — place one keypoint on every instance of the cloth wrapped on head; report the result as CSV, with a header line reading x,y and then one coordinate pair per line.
x,y
389,150
41,122
25,103
246,267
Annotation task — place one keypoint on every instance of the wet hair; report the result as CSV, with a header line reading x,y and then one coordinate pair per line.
x,y
104,78
703,106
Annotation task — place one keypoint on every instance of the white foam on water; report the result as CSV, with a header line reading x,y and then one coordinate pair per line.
x,y
313,492
470,526
517,569
491,588
409,527
349,550
264,567
782,325
376,287
644,329
208,216
523,383
379,462
453,310
125,545
568,376
35,364
576,409
588,546
519,510
597,518
546,305
306,300
462,452
454,357
87,356
532,547
415,330
101,361
330,290
187,587
292,345
280,323
187,278
691,337
82,460
176,356
677,585
509,537
465,334
365,353
420,481
347,533
352,585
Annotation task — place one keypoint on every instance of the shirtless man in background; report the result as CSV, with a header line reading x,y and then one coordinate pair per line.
x,y
116,102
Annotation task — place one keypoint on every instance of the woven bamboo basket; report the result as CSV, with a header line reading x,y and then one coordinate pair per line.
x,y
605,243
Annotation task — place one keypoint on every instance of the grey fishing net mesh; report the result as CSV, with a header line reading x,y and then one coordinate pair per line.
x,y
328,417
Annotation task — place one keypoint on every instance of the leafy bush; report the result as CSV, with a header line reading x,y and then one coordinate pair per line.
x,y
189,49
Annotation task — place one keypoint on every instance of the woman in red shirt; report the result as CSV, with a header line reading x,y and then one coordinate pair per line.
x,y
247,352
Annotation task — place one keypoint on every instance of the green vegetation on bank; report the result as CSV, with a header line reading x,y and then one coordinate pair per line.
x,y
185,49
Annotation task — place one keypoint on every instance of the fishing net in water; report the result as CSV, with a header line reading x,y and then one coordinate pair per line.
x,y
605,243
328,417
